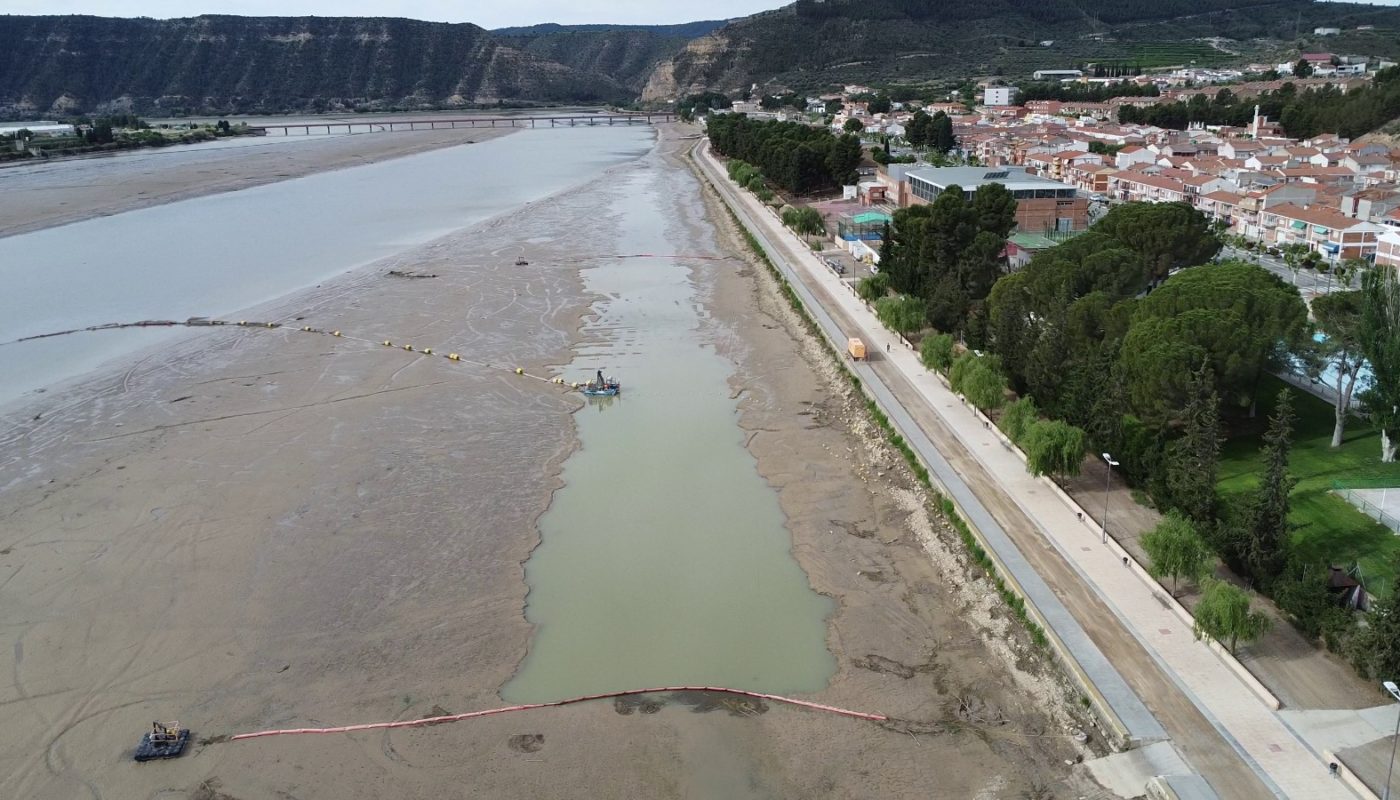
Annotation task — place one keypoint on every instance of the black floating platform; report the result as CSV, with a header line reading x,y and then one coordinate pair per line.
x,y
149,751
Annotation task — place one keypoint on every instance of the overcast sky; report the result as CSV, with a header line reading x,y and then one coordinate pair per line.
x,y
485,14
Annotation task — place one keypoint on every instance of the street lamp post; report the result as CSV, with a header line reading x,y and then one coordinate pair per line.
x,y
1107,483
1394,692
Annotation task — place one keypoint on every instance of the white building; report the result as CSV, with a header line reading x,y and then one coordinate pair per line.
x,y
999,96
1326,31
37,128
1056,74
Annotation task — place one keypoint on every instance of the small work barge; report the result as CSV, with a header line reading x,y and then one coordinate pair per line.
x,y
163,740
602,387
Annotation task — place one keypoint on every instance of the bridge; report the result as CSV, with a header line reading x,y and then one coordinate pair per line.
x,y
388,125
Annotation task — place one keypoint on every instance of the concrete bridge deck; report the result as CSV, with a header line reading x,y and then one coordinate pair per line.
x,y
398,125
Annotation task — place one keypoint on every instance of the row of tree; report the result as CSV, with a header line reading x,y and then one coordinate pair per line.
x,y
797,157
1302,114
1118,341
1156,371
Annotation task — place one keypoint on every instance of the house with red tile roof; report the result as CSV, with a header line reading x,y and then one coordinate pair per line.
x,y
1132,186
1312,174
1324,230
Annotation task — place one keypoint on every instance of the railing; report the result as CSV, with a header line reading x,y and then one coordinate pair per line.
x,y
1375,512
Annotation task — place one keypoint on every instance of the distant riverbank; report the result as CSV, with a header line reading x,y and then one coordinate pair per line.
x,y
57,148
59,192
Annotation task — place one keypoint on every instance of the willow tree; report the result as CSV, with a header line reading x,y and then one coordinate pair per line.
x,y
1175,550
1224,614
1379,337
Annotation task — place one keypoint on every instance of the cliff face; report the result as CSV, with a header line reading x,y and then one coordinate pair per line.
x,y
627,55
220,64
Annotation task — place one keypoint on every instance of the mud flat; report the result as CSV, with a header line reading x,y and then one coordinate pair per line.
x,y
69,190
268,528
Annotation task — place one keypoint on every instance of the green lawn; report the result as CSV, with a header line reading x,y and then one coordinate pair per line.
x,y
1330,528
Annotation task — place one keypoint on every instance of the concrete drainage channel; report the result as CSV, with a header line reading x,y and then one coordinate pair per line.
x,y
1125,719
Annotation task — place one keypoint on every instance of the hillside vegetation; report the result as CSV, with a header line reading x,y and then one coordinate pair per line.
x,y
813,44
56,65
626,54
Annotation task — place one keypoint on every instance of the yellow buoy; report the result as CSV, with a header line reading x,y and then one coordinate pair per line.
x,y
519,371
454,357
306,328
243,322
428,351
335,333
272,325
388,343
408,347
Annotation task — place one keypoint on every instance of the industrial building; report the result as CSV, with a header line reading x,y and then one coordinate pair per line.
x,y
1041,204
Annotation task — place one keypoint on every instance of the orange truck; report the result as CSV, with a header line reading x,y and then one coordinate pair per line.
x,y
855,348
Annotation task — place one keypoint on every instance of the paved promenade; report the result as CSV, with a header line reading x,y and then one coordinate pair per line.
x,y
1239,716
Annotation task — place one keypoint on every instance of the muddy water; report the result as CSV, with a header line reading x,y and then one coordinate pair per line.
x,y
216,254
664,559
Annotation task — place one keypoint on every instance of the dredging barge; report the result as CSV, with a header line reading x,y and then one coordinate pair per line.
x,y
602,387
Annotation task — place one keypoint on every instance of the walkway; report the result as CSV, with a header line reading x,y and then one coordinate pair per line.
x,y
1088,576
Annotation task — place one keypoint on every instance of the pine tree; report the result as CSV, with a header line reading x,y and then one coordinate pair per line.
x,y
1266,534
1194,461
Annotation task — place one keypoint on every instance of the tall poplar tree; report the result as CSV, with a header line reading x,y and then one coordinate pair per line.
x,y
1193,463
1266,524
1379,335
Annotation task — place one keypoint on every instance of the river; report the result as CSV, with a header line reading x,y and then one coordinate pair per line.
x,y
664,557
215,255
664,560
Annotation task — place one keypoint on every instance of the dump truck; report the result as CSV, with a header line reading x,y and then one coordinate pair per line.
x,y
855,348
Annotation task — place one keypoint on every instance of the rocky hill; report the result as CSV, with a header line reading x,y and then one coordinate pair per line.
x,y
53,65
223,64
816,43
627,54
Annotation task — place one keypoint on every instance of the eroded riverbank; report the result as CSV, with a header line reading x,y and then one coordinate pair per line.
x,y
262,528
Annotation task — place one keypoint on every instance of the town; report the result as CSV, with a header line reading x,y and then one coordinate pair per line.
x,y
1069,160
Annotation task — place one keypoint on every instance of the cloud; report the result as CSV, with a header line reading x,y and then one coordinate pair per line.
x,y
489,15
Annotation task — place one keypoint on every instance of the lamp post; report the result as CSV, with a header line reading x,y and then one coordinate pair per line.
x,y
1107,483
1394,692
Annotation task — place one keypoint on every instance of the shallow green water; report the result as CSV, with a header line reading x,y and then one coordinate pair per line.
x,y
664,560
